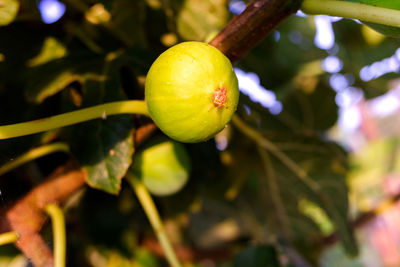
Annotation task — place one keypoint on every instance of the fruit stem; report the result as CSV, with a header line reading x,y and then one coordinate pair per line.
x,y
74,117
8,237
152,214
363,12
34,154
57,219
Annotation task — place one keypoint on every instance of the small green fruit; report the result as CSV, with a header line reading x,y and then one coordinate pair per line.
x,y
384,29
191,92
163,166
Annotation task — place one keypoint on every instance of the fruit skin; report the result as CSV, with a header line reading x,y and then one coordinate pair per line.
x,y
163,166
384,29
180,89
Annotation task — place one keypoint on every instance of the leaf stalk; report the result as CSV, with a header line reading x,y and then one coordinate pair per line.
x,y
363,12
152,214
74,117
57,219
8,238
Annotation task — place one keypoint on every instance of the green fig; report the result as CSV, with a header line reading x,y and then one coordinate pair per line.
x,y
163,166
191,92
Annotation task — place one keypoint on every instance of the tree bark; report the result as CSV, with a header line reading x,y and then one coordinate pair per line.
x,y
258,19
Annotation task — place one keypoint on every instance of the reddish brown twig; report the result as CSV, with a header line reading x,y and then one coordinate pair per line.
x,y
26,217
258,19
188,254
144,132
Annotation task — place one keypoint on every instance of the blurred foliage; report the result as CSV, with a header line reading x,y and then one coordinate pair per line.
x,y
257,256
379,159
8,11
243,205
192,23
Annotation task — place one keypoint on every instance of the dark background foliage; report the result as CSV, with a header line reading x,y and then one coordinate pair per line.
x,y
245,204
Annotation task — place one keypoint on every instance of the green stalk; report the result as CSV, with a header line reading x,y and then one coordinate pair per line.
x,y
57,219
74,117
152,214
32,155
9,237
363,12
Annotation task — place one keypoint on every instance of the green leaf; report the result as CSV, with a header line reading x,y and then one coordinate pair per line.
x,y
197,19
335,256
105,153
328,171
356,53
320,179
8,11
313,108
51,49
145,258
277,59
128,18
313,211
257,256
104,147
53,76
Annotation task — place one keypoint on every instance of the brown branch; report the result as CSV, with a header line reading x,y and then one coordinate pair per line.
x,y
144,132
188,254
258,19
26,217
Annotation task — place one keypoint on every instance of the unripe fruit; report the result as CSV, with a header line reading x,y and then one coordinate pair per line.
x,y
163,166
384,29
191,92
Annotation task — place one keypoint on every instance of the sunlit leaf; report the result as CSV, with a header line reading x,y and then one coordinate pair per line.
x,y
52,49
8,11
196,19
369,170
52,77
